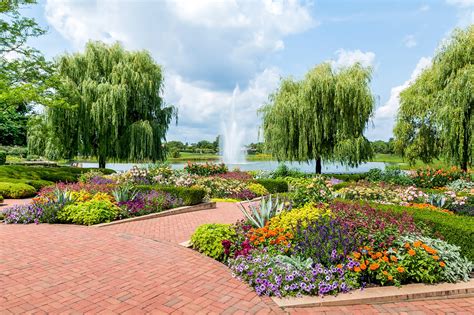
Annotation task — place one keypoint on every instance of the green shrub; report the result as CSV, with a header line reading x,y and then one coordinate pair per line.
x,y
347,177
1,198
89,212
3,157
273,186
456,230
257,189
52,174
189,195
16,190
208,238
36,183
341,185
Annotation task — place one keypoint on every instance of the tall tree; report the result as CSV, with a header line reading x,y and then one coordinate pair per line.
x,y
118,111
321,117
25,75
436,114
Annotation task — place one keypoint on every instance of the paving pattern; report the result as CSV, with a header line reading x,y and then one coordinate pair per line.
x,y
138,268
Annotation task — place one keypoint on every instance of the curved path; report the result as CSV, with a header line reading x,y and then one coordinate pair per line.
x,y
137,268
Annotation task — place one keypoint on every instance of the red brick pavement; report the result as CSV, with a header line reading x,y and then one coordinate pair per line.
x,y
130,269
179,228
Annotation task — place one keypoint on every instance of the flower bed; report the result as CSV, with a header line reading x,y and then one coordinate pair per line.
x,y
320,249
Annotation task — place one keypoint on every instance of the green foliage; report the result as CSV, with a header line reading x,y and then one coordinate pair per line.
x,y
118,109
273,185
205,169
288,220
51,174
456,230
284,171
16,190
3,157
389,175
339,186
348,177
259,215
208,238
189,195
124,193
436,113
321,117
89,212
257,189
1,199
431,178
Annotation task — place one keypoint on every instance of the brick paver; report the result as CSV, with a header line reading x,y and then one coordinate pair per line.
x,y
137,267
179,228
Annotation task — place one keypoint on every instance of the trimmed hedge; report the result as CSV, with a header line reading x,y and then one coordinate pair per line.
x,y
1,198
273,185
16,190
51,174
354,177
189,195
36,183
3,157
457,230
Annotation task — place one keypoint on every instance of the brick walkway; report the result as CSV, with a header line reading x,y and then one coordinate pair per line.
x,y
138,268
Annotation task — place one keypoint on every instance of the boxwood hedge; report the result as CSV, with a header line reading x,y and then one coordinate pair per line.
x,y
16,190
273,185
189,195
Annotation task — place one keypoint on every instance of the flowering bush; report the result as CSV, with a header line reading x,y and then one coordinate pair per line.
x,y
266,237
378,228
244,194
257,189
236,175
430,178
309,190
205,169
325,241
273,276
221,188
150,202
457,267
288,220
23,214
407,262
380,193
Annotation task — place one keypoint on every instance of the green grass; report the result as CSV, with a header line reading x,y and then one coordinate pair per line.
x,y
404,165
187,156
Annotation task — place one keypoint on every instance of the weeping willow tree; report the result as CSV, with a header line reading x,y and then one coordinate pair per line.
x,y
116,110
321,117
436,114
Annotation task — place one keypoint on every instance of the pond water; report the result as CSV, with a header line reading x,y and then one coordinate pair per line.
x,y
264,165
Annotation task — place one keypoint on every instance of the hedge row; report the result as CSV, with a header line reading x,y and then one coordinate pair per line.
x,y
273,185
51,174
354,177
189,195
457,230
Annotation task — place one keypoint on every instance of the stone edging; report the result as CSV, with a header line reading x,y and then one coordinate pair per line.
x,y
379,295
185,209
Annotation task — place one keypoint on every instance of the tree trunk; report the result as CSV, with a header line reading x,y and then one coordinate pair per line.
x,y
101,161
318,166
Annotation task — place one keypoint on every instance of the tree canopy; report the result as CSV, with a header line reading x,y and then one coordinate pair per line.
x,y
436,114
117,109
23,71
321,117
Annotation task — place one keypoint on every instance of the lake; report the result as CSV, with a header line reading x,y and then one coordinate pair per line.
x,y
263,165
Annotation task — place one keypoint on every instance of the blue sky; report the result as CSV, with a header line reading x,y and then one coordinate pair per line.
x,y
208,47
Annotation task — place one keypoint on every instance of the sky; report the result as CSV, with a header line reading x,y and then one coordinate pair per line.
x,y
222,53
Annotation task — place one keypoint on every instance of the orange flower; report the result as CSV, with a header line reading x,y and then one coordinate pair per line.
x,y
356,255
401,269
390,278
442,264
385,258
363,266
411,252
339,266
385,272
436,257
366,262
393,258
406,245
356,269
379,254
374,266
417,244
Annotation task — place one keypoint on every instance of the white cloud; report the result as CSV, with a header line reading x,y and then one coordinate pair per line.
x,y
201,109
466,11
461,3
206,47
346,58
410,41
390,109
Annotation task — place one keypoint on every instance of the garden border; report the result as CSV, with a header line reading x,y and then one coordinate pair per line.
x,y
379,295
179,210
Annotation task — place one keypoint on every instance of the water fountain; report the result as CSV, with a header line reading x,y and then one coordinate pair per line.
x,y
232,136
